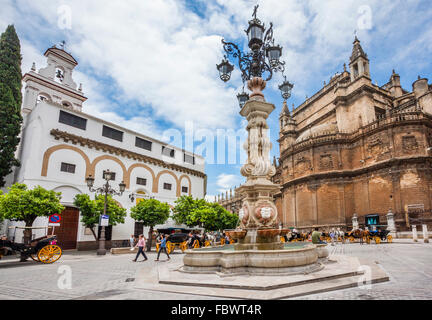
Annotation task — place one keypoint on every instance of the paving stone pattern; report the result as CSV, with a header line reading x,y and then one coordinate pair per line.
x,y
112,277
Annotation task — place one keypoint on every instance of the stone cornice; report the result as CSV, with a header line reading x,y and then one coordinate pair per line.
x,y
74,139
38,79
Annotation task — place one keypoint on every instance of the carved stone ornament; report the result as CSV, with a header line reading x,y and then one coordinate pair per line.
x,y
409,144
326,162
265,213
302,165
244,214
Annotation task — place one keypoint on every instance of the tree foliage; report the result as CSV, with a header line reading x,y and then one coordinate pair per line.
x,y
184,206
91,210
10,100
198,212
22,204
150,212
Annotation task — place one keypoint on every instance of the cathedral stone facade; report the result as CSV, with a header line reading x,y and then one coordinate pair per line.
x,y
356,149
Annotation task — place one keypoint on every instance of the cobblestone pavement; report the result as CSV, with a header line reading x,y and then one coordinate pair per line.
x,y
408,265
111,277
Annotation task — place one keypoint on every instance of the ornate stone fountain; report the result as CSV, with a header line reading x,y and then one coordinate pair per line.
x,y
259,249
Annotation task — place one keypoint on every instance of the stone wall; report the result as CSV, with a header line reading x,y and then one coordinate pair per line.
x,y
384,165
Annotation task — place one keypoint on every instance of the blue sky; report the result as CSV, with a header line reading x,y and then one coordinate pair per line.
x,y
150,65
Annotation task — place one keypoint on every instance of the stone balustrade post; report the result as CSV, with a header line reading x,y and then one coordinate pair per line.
x,y
414,232
391,225
425,234
355,222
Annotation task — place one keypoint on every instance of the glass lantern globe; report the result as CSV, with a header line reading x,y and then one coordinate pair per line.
x,y
274,53
286,88
242,97
225,69
107,175
122,187
90,181
255,34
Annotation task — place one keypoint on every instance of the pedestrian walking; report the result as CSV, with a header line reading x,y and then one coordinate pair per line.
x,y
361,235
332,237
162,247
141,245
132,241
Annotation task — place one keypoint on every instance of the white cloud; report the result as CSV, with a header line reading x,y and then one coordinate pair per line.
x,y
157,58
227,181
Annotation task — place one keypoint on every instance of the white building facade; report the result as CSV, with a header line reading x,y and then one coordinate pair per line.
x,y
61,146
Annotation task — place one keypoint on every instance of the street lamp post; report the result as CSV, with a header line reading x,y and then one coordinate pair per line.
x,y
105,190
257,66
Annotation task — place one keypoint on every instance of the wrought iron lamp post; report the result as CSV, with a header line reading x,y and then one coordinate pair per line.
x,y
262,60
105,190
257,210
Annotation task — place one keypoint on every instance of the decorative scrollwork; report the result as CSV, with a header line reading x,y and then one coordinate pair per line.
x,y
254,63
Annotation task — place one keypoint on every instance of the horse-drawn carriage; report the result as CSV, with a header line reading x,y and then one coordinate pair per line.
x,y
380,235
298,237
367,236
176,240
44,249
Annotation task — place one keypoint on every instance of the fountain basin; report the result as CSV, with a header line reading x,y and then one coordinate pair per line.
x,y
268,233
300,259
323,252
236,234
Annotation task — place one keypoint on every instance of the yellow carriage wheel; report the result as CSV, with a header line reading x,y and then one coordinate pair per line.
x,y
367,240
282,239
351,239
183,246
49,254
207,243
389,239
170,247
222,242
157,247
377,240
232,241
196,244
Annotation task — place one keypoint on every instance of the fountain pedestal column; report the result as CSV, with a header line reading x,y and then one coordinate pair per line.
x,y
258,210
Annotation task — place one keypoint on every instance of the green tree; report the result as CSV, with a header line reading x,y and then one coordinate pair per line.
x,y
22,204
150,212
10,100
91,210
213,217
184,206
198,212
